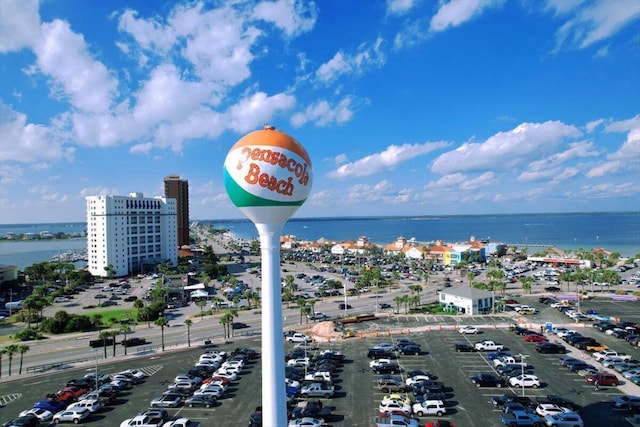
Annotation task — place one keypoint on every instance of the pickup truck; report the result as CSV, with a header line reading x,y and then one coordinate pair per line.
x,y
396,421
488,345
604,354
317,390
180,422
521,419
505,360
142,421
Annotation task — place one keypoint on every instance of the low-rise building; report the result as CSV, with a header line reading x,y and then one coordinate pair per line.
x,y
467,300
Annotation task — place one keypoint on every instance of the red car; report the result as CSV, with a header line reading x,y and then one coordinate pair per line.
x,y
535,338
604,379
69,394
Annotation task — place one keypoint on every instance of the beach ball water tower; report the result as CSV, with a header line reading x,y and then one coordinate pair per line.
x,y
268,176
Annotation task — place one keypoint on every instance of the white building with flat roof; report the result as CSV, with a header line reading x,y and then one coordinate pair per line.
x,y
467,300
130,234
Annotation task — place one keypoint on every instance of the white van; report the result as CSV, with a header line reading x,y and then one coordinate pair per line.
x,y
92,405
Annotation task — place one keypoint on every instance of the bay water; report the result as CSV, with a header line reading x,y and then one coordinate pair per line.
x,y
614,231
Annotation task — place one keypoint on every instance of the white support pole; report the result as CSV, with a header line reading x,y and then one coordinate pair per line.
x,y
274,406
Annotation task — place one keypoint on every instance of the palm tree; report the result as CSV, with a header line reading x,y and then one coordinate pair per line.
x,y
223,322
306,310
188,322
22,349
526,281
162,322
202,304
125,330
301,303
11,350
104,336
398,301
3,351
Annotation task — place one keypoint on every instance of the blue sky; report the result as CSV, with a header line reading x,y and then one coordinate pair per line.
x,y
406,107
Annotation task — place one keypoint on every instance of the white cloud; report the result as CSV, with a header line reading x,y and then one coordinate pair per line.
x,y
292,16
28,142
603,169
609,190
457,12
98,191
624,125
385,160
253,111
148,33
366,58
592,125
563,7
505,150
411,34
484,180
596,21
9,173
399,7
19,24
322,114
340,159
77,76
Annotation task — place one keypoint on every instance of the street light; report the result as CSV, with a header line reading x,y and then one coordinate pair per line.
x,y
95,352
522,357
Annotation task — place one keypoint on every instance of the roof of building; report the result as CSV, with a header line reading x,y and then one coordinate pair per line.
x,y
470,293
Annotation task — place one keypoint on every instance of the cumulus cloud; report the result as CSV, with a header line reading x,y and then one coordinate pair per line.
x,y
76,75
19,24
291,16
385,160
505,150
456,12
322,113
342,63
596,21
257,109
411,34
28,142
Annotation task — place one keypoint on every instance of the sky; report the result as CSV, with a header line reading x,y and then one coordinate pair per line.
x,y
406,107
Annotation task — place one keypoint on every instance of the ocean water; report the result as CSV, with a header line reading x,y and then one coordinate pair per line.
x,y
612,231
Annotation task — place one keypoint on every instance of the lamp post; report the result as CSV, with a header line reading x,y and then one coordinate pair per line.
x,y
522,357
95,353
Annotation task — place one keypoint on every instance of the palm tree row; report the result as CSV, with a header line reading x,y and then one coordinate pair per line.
x,y
10,351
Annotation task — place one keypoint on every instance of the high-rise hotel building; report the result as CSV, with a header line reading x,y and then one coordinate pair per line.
x,y
178,188
131,234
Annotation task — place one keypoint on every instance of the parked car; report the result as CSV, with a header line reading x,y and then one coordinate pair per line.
x,y
604,379
200,400
463,347
487,380
75,416
526,380
568,419
172,401
468,330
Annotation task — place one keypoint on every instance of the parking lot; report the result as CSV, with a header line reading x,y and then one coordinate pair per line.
x,y
357,398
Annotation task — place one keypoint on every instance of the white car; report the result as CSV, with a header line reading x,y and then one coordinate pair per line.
x,y
300,362
210,391
429,407
565,333
42,414
394,406
93,405
526,380
544,409
468,330
414,379
298,337
136,373
306,422
227,374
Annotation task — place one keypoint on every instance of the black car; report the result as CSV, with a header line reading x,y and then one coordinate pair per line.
x,y
461,347
384,306
343,306
507,372
250,353
378,353
550,348
416,372
82,383
432,395
579,365
27,421
129,342
410,349
487,380
503,399
311,409
386,368
560,401
200,400
239,325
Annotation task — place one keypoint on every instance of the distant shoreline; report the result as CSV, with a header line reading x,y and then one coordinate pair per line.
x,y
365,217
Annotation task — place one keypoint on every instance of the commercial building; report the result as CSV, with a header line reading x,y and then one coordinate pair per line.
x,y
466,300
178,188
130,234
